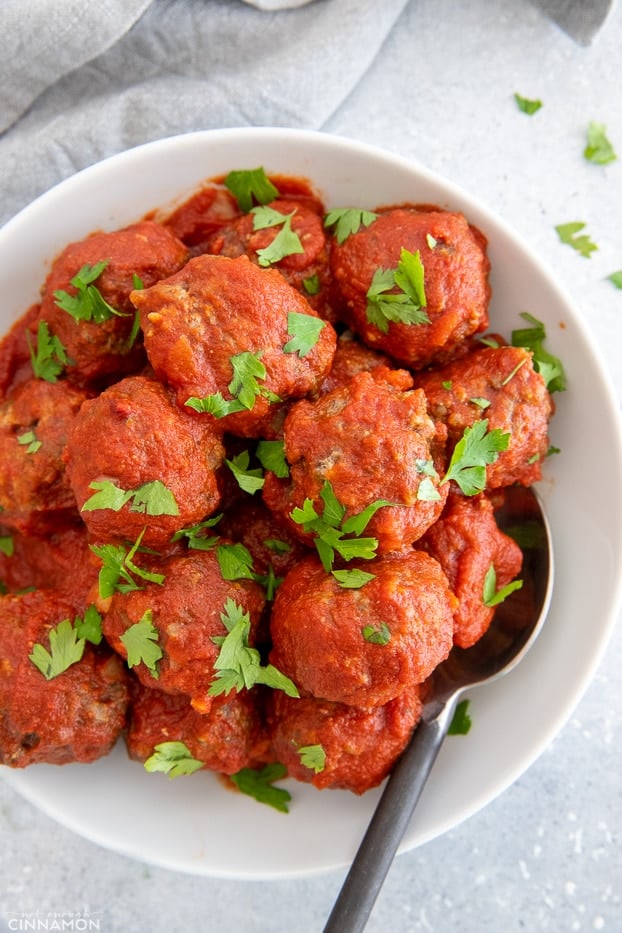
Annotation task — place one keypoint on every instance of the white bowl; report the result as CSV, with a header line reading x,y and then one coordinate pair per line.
x,y
193,824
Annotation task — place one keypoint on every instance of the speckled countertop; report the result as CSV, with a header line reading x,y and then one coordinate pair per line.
x,y
547,854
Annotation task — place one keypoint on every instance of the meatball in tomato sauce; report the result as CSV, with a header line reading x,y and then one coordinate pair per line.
x,y
75,715
357,746
224,329
100,344
181,613
370,439
365,646
498,384
132,436
228,737
455,278
467,543
35,422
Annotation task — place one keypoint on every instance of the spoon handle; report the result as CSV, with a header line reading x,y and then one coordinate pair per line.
x,y
388,825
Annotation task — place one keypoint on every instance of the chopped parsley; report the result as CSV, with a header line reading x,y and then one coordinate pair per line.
x,y
258,784
271,455
250,186
285,243
312,284
352,579
348,220
87,304
152,498
377,634
172,758
141,643
330,528
527,105
569,234
313,757
196,536
7,545
49,358
119,569
244,387
616,278
304,330
66,648
598,148
238,666
90,626
249,479
405,306
491,596
477,448
461,722
29,440
532,338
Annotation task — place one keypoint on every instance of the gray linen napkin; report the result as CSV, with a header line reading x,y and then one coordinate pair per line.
x,y
182,65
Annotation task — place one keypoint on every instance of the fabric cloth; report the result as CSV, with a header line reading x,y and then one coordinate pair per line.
x,y
87,78
83,79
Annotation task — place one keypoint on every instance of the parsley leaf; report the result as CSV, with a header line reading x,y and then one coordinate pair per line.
x,y
285,243
476,448
491,596
304,329
7,545
257,783
525,105
250,480
569,234
380,635
244,386
172,758
88,304
330,528
248,185
29,440
235,561
352,579
141,643
195,534
312,284
403,307
313,757
50,357
598,149
118,568
238,666
66,648
461,722
153,498
616,278
532,338
348,220
90,626
271,455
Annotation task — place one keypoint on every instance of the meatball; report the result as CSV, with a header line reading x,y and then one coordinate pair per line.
x,y
134,434
186,612
147,250
60,560
240,238
227,738
360,746
501,385
35,421
456,286
365,646
220,327
369,439
467,542
78,714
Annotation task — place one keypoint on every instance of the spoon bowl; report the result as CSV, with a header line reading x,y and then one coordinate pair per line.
x,y
515,626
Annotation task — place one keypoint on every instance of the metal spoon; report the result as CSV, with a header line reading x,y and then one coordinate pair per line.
x,y
516,624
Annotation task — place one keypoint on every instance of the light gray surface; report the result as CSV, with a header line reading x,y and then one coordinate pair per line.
x,y
546,855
